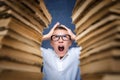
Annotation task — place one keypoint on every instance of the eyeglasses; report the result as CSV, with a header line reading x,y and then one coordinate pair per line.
x,y
64,37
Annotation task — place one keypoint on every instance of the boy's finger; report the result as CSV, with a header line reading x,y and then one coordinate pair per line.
x,y
65,27
56,24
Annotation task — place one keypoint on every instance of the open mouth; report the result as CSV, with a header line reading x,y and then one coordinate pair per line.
x,y
60,48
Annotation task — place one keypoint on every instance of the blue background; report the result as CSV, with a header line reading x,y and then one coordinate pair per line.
x,y
61,11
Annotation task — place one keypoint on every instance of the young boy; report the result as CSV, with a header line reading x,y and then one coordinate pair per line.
x,y
60,63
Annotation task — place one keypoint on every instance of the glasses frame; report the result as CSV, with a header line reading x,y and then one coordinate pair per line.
x,y
61,37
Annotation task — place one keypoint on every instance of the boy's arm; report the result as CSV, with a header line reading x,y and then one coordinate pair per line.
x,y
47,36
73,36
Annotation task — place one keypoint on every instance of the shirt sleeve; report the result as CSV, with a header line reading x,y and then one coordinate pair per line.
x,y
77,50
43,50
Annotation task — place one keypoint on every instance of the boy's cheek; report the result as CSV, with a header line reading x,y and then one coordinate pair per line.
x,y
69,43
53,44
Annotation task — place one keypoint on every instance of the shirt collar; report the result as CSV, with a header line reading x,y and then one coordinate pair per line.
x,y
59,57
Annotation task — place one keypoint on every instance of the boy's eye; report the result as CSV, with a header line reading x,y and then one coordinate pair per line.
x,y
54,37
66,37
57,37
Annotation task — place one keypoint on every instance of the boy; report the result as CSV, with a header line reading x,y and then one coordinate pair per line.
x,y
60,63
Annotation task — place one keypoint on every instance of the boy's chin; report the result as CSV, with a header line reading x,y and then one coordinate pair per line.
x,y
61,54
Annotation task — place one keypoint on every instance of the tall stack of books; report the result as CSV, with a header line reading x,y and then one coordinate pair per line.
x,y
21,26
97,25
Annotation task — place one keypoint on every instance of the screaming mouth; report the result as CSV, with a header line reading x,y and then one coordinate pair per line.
x,y
60,48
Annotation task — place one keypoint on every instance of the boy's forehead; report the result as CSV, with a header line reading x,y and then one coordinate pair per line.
x,y
60,32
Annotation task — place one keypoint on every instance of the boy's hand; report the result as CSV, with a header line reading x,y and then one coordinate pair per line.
x,y
73,36
47,36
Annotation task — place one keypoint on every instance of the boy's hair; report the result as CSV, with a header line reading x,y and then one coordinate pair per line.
x,y
60,27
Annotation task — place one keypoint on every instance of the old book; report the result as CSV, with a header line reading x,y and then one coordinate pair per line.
x,y
87,6
20,75
1,37
3,8
2,33
113,44
110,76
23,29
80,10
8,32
20,56
10,13
11,42
112,38
17,7
76,6
113,28
94,10
101,35
36,9
115,9
105,65
110,52
110,18
104,6
45,10
10,65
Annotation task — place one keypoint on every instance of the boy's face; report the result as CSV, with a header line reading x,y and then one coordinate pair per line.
x,y
61,42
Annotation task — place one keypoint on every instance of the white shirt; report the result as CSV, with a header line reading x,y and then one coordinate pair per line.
x,y
66,68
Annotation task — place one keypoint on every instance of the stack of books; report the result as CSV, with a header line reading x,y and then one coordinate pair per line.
x,y
21,25
97,25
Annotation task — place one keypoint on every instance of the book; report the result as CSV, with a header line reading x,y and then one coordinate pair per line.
x,y
19,8
11,65
108,40
100,48
114,19
97,32
23,29
93,15
80,9
93,36
109,76
109,52
36,10
105,65
45,10
15,35
20,75
20,56
10,13
115,8
11,42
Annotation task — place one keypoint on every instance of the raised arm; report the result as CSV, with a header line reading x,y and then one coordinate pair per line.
x,y
73,36
47,36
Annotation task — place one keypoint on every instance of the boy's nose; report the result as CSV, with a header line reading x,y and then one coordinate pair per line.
x,y
60,40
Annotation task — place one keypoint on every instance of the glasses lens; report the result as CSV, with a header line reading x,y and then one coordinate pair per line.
x,y
66,37
57,37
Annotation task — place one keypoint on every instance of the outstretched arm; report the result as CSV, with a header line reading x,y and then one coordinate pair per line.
x,y
47,36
